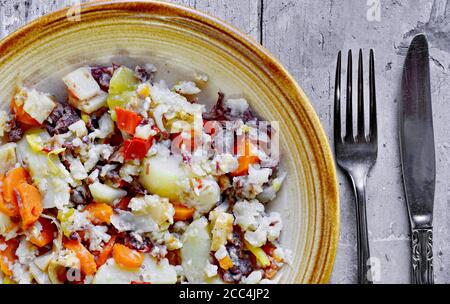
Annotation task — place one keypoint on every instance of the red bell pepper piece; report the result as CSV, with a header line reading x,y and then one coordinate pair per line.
x,y
136,148
127,121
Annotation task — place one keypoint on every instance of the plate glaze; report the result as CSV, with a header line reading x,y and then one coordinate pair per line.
x,y
181,42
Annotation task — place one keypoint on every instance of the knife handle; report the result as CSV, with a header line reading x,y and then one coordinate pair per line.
x,y
422,256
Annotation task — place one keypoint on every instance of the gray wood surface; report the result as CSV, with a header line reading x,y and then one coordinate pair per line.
x,y
306,36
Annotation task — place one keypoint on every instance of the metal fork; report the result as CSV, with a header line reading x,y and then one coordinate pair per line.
x,y
356,155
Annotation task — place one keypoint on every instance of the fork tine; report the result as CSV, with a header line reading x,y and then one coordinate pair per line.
x,y
361,136
373,100
349,111
337,102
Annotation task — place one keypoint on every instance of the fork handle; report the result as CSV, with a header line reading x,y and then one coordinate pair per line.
x,y
422,256
364,267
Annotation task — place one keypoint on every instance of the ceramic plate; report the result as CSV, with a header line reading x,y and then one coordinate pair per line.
x,y
180,42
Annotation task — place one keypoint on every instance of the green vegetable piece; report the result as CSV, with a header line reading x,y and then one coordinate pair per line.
x,y
122,80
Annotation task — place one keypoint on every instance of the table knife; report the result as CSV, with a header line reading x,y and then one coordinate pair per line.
x,y
418,157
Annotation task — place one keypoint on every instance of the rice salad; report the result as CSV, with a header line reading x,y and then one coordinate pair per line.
x,y
130,180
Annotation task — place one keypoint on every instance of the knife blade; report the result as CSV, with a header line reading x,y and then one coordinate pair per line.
x,y
418,156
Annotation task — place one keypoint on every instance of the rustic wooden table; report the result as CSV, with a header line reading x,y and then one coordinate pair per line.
x,y
306,36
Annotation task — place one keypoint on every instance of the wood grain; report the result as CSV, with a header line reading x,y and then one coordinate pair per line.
x,y
243,14
306,35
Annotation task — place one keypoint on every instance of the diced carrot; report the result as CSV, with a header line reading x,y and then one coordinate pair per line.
x,y
182,213
99,213
8,208
30,204
126,257
87,260
106,252
46,235
23,116
13,178
8,256
244,164
127,121
245,160
226,263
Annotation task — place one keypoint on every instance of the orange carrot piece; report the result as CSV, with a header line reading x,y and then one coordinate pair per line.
x,y
30,204
46,235
8,208
244,164
13,178
226,263
87,260
8,255
245,160
126,257
106,252
99,213
182,213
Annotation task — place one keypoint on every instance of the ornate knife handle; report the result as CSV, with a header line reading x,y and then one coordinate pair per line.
x,y
422,256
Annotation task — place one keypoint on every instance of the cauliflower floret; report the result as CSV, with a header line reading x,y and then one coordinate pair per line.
x,y
258,237
128,170
258,226
248,213
269,228
144,131
73,220
79,128
221,253
258,176
251,185
186,88
96,235
275,226
204,195
106,128
67,258
94,153
211,270
26,252
20,273
226,163
237,106
253,278
158,208
172,241
77,170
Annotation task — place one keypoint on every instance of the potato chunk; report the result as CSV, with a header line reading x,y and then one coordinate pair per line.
x,y
195,251
162,176
81,84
